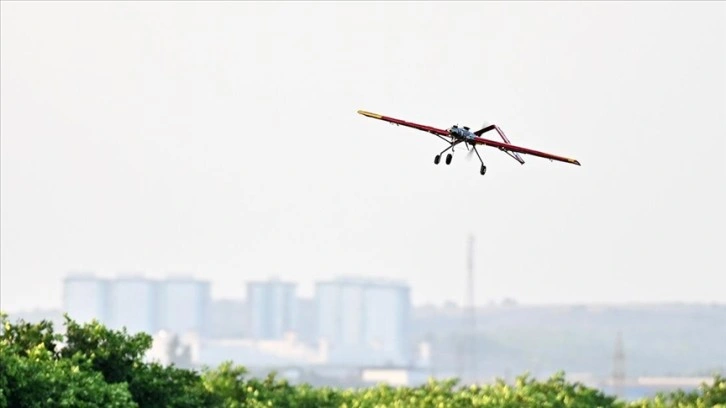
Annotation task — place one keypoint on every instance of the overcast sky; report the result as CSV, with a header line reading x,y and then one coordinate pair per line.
x,y
221,140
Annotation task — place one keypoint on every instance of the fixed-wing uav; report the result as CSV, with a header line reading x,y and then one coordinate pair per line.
x,y
456,135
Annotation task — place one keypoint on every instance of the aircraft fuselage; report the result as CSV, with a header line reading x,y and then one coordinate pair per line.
x,y
461,133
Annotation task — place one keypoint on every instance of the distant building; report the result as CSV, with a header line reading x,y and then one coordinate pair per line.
x,y
287,351
133,303
85,298
397,377
364,321
177,305
272,308
228,319
169,348
305,320
183,305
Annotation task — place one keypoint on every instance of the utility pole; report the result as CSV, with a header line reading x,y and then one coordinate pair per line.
x,y
619,366
471,306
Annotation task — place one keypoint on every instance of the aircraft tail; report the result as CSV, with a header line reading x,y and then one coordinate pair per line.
x,y
513,155
487,127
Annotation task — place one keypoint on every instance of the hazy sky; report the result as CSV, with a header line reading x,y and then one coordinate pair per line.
x,y
221,140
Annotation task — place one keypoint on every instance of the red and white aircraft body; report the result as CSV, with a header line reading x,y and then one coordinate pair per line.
x,y
455,135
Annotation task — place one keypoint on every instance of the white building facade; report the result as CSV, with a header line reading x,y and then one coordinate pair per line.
x,y
177,305
363,321
272,308
85,298
183,305
133,304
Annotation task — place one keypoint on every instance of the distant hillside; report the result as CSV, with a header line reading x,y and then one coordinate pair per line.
x,y
670,339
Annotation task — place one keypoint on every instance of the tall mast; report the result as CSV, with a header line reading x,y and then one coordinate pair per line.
x,y
471,306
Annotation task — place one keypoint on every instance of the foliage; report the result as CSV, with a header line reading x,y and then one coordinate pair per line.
x,y
92,366
115,354
707,396
36,378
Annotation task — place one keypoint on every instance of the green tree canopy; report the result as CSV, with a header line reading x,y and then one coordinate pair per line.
x,y
90,365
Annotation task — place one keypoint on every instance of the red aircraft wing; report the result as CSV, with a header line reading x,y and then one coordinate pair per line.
x,y
429,129
513,155
517,149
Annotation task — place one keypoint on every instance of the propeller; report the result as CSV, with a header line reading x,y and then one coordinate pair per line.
x,y
471,150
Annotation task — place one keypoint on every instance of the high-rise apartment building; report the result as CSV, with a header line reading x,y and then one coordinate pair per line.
x,y
85,298
183,305
272,308
133,303
177,305
364,321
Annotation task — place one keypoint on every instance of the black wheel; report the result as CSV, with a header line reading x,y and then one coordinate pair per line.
x,y
448,158
437,159
483,170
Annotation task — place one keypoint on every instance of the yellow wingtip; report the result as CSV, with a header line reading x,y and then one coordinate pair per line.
x,y
369,114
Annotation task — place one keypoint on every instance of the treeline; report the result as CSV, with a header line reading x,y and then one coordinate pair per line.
x,y
91,366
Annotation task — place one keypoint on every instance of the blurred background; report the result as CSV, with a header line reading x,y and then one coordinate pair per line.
x,y
358,331
198,172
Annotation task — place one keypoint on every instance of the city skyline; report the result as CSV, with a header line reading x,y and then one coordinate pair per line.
x,y
137,303
309,295
358,322
354,321
306,291
214,140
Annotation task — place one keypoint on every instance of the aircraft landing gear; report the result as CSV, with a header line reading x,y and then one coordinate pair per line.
x,y
449,157
483,168
437,159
